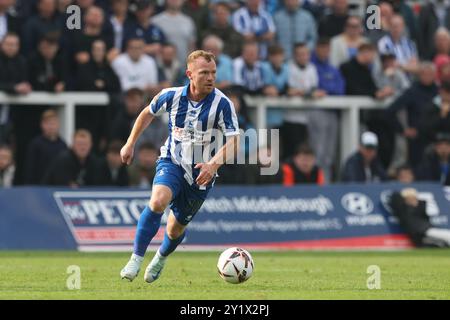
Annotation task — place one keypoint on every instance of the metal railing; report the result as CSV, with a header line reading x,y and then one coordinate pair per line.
x,y
349,107
65,102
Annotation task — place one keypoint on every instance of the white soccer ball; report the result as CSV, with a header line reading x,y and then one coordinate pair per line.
x,y
235,265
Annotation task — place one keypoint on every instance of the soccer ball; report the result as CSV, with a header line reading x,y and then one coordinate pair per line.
x,y
235,265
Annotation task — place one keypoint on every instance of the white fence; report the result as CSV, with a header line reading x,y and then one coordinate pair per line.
x,y
349,107
65,102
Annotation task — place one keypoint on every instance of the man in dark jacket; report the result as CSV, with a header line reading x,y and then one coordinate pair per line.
x,y
435,165
13,80
75,167
434,14
46,67
46,20
333,23
358,75
413,219
112,172
414,100
437,115
43,149
364,166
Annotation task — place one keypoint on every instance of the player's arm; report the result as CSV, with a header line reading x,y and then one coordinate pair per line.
x,y
142,122
228,152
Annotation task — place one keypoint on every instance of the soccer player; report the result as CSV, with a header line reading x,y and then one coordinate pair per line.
x,y
181,181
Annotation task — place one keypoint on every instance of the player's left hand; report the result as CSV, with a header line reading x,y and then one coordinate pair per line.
x,y
207,172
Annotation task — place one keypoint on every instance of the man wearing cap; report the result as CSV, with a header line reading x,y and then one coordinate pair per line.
x,y
363,166
435,164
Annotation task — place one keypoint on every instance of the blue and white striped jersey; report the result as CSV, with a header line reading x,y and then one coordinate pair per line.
x,y
193,127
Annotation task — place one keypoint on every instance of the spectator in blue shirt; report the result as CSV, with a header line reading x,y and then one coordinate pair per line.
x,y
330,78
275,74
247,69
323,124
143,28
224,64
294,25
255,24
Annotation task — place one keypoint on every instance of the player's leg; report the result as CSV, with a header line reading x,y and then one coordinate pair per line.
x,y
147,227
184,207
173,236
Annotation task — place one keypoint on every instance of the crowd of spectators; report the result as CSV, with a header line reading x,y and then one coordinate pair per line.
x,y
131,49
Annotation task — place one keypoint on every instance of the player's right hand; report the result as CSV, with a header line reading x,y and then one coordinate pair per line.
x,y
127,153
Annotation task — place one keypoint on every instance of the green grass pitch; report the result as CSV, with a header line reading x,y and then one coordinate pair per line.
x,y
415,274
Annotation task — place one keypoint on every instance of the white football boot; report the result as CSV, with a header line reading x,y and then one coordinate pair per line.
x,y
154,268
131,270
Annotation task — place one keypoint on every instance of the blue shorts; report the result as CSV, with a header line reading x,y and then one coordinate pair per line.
x,y
186,199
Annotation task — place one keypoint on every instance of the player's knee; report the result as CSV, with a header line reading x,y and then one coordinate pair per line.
x,y
174,233
157,204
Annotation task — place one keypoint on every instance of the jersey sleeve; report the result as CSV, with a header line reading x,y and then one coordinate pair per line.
x,y
228,120
158,105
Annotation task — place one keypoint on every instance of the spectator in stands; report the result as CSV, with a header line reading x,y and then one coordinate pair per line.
x,y
112,172
14,80
392,145
178,28
8,21
255,24
275,75
432,15
442,57
43,149
398,43
13,69
333,23
7,167
435,164
414,100
142,172
405,174
414,220
389,75
405,9
386,13
224,72
323,124
135,69
345,45
302,168
302,82
358,76
199,11
247,69
170,70
144,28
294,25
75,167
123,122
221,27
363,166
97,74
120,21
436,117
45,21
46,67
93,29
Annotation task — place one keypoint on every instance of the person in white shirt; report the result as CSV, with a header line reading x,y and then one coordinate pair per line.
x,y
303,81
136,69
